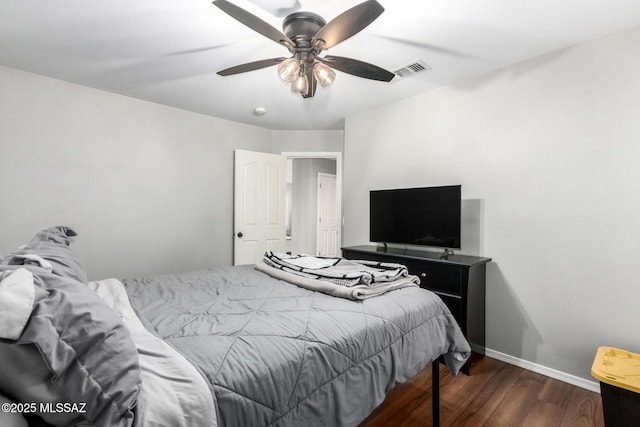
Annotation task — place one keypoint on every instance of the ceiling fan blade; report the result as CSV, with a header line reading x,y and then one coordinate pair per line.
x,y
254,22
357,68
348,23
250,66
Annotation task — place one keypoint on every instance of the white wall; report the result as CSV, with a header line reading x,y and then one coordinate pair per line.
x,y
548,155
148,188
308,140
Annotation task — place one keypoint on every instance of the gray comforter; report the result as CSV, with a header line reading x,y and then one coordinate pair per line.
x,y
277,354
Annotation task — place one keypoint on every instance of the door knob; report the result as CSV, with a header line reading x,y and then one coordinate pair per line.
x,y
240,234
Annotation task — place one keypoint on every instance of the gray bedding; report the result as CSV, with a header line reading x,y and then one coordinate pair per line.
x,y
277,354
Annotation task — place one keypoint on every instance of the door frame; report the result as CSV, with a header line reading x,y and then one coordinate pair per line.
x,y
331,155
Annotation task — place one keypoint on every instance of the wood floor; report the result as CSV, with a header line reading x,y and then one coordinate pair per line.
x,y
496,394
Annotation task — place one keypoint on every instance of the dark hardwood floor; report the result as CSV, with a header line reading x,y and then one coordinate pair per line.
x,y
496,394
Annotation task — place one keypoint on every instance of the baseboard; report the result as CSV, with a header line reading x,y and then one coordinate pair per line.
x,y
552,373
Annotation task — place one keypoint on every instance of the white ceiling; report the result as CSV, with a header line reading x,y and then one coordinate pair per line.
x,y
167,51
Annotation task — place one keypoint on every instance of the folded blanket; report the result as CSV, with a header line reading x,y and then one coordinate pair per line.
x,y
353,292
337,270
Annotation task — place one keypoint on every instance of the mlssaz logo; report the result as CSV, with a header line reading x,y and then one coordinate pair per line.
x,y
63,408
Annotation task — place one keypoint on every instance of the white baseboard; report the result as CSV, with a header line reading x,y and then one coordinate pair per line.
x,y
552,373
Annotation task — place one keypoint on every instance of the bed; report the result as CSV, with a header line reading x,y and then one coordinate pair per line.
x,y
227,346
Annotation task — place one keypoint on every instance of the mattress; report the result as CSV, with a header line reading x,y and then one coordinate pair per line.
x,y
275,354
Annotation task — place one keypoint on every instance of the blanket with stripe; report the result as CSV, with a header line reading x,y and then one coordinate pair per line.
x,y
337,276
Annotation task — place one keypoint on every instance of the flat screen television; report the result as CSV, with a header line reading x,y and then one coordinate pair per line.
x,y
427,216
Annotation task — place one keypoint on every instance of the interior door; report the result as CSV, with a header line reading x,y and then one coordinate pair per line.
x,y
327,215
259,205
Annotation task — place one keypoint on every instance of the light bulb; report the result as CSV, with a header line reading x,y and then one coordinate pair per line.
x,y
300,85
324,74
288,69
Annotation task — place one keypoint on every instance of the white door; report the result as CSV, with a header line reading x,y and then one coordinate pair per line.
x,y
327,215
259,205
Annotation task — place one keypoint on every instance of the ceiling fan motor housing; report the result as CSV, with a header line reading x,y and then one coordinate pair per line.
x,y
302,24
301,27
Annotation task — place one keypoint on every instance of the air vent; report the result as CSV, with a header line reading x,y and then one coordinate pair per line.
x,y
410,69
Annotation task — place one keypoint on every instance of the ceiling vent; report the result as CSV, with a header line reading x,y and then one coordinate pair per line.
x,y
410,69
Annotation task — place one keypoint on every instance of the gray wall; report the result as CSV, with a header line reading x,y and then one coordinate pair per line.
x,y
148,188
547,152
308,140
304,210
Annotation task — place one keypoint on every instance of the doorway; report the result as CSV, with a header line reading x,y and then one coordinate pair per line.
x,y
306,233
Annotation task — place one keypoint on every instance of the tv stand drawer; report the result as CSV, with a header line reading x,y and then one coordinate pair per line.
x,y
454,304
436,277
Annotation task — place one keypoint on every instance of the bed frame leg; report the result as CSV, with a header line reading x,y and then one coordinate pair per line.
x,y
435,392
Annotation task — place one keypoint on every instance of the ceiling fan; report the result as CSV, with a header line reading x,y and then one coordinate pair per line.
x,y
306,35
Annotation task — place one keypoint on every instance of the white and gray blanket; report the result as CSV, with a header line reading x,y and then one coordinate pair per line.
x,y
337,276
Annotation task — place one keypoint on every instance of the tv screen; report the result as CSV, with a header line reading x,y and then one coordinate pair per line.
x,y
428,216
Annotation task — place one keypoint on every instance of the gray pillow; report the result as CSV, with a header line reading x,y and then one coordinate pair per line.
x,y
73,348
10,418
52,245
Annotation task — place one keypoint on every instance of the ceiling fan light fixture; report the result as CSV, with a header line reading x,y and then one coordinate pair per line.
x,y
300,85
324,74
289,69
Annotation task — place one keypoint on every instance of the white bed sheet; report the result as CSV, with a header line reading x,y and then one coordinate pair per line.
x,y
173,392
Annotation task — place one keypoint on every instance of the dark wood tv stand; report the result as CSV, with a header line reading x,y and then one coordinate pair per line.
x,y
460,280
